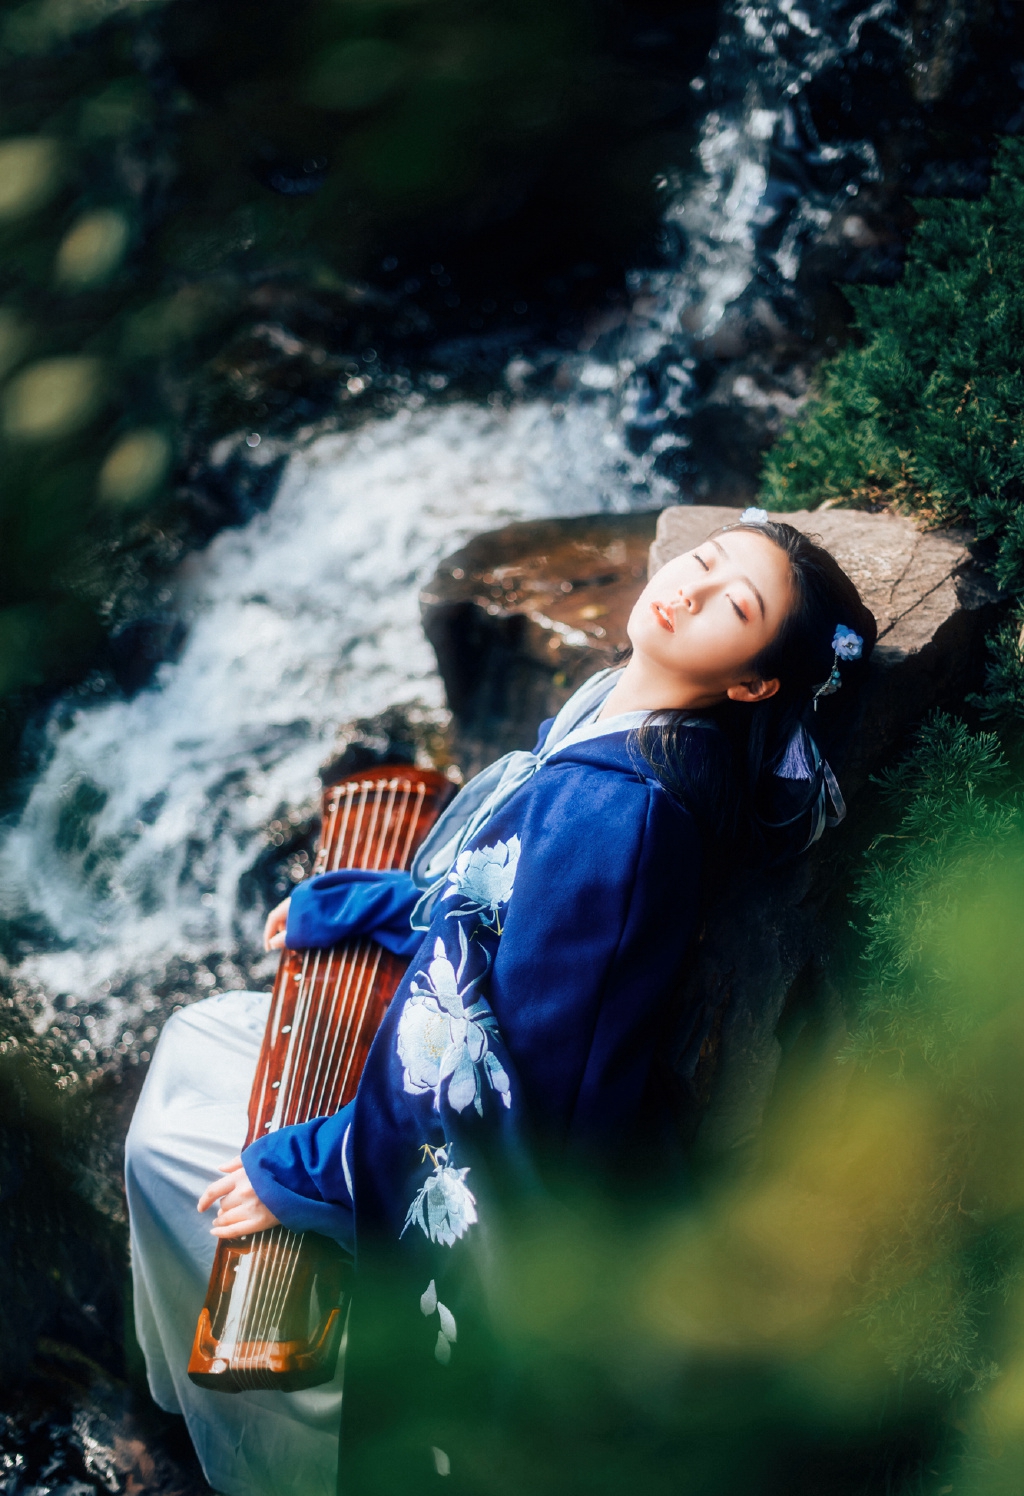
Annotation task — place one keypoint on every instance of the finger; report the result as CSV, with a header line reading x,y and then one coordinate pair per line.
x,y
276,942
276,923
234,1175
270,924
236,1229
232,1165
234,1202
244,1226
214,1191
242,1211
241,1193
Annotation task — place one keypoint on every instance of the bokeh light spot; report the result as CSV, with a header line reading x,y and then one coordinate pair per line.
x,y
134,467
93,248
29,175
53,398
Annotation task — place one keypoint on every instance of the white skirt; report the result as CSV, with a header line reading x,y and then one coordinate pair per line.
x,y
191,1118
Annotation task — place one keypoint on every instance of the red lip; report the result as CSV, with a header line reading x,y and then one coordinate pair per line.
x,y
664,617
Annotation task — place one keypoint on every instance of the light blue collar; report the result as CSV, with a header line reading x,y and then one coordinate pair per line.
x,y
488,791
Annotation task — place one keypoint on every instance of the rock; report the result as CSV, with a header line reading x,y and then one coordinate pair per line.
x,y
514,620
520,616
69,1427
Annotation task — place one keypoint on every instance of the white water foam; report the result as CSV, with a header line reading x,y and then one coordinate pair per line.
x,y
300,621
759,69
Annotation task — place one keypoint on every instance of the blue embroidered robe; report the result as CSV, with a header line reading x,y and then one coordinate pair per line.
x,y
525,1029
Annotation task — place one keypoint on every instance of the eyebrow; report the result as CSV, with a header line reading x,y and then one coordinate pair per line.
x,y
723,552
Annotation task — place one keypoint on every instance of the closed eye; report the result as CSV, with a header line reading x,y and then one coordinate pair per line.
x,y
703,563
739,611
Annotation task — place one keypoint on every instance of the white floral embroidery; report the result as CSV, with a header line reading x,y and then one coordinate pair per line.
x,y
444,1207
449,1329
442,1042
448,1334
486,878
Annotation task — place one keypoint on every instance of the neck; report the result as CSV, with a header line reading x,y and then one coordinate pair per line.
x,y
643,687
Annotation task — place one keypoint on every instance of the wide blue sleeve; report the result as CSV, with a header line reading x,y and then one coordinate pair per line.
x,y
303,1175
353,901
594,938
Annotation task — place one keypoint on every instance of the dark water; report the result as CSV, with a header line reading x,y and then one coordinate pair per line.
x,y
390,275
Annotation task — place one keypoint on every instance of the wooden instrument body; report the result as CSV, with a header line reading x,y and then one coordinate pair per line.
x,y
275,1308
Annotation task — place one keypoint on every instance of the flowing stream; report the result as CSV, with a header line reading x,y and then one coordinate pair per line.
x,y
129,851
124,873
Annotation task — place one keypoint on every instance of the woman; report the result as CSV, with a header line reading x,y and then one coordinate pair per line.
x,y
555,902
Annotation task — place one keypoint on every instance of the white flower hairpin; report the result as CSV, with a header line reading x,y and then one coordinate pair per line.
x,y
846,645
754,517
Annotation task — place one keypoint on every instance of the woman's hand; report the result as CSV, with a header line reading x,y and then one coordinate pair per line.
x,y
241,1209
273,930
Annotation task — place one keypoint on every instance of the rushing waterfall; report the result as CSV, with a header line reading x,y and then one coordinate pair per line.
x,y
120,877
746,216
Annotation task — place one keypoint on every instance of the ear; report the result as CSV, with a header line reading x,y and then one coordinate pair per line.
x,y
752,690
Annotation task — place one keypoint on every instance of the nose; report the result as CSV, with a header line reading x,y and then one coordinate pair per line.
x,y
688,598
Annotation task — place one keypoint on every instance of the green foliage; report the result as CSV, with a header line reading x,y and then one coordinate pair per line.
x,y
940,895
950,828
924,414
1002,699
927,410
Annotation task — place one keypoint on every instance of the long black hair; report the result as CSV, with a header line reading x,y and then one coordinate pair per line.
x,y
725,772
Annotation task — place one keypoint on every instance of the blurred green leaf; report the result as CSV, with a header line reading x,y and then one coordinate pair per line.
x,y
353,75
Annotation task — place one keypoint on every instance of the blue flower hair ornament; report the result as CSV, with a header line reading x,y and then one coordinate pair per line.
x,y
846,645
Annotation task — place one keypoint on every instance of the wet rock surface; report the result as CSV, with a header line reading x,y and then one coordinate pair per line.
x,y
523,615
71,1429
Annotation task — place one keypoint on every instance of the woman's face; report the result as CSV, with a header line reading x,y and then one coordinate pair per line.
x,y
708,613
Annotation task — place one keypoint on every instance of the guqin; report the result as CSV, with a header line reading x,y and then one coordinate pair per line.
x,y
275,1307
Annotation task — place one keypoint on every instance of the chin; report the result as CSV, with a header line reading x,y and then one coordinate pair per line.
x,y
646,635
663,661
